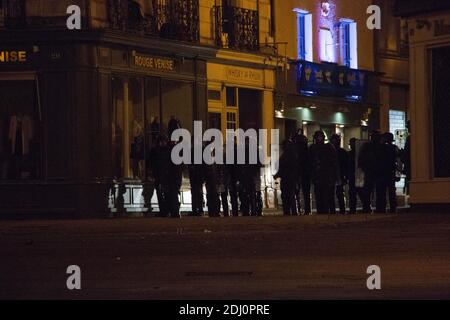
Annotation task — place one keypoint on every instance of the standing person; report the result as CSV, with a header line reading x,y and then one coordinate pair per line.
x,y
353,190
288,174
324,168
222,187
197,180
343,173
212,194
234,176
386,178
175,178
251,201
367,161
304,177
160,164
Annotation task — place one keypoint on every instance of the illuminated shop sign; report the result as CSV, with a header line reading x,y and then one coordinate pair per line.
x,y
154,63
11,56
331,80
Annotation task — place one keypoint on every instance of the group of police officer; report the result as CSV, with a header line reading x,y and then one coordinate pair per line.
x,y
329,168
238,182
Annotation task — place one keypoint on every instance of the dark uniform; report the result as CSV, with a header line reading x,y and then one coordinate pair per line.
x,y
222,188
250,187
342,177
304,176
324,169
168,179
197,179
288,174
367,161
212,194
233,186
386,178
353,191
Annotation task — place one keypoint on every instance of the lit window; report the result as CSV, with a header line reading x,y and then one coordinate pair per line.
x,y
327,47
304,28
349,43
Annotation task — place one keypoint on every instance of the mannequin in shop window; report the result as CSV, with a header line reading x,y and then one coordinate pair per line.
x,y
20,139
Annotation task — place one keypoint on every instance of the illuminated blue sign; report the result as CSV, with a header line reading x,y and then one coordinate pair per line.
x,y
328,79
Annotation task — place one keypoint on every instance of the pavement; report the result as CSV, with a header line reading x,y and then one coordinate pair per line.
x,y
308,257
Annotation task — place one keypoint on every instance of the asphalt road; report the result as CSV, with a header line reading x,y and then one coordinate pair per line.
x,y
238,258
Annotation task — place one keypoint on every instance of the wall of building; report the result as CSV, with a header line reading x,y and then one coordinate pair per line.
x,y
392,60
426,32
286,26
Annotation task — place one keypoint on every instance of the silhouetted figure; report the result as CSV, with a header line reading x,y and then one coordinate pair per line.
x,y
304,176
343,173
353,191
386,178
288,174
222,188
212,195
197,180
250,193
234,177
160,160
367,161
324,169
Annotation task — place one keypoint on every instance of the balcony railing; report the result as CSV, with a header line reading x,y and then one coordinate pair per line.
x,y
236,28
13,14
172,19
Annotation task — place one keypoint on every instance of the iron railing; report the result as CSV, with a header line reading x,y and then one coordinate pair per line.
x,y
236,28
13,14
172,19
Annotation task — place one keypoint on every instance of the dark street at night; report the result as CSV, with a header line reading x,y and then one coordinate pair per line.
x,y
224,150
246,258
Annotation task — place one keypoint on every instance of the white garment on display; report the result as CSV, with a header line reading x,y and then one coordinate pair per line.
x,y
27,133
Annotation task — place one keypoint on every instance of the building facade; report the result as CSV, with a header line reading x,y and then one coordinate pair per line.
x,y
328,82
80,109
392,62
429,52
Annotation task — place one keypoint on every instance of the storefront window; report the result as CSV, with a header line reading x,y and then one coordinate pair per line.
x,y
137,128
152,111
128,128
20,151
177,102
117,125
139,105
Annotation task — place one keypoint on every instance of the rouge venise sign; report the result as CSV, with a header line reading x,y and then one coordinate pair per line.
x,y
11,56
154,63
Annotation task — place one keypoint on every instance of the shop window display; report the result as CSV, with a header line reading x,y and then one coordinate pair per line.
x,y
19,131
